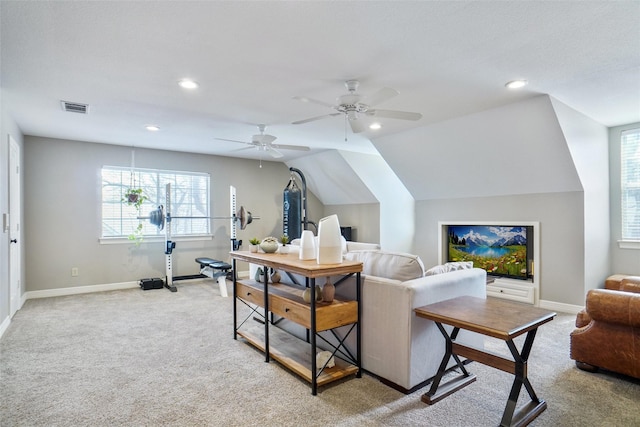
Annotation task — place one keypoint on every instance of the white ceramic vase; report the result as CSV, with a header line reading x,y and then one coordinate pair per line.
x,y
329,241
307,245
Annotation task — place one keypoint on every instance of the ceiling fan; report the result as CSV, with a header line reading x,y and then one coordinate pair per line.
x,y
354,106
264,142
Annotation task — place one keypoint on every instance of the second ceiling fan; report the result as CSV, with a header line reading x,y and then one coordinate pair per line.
x,y
353,106
264,142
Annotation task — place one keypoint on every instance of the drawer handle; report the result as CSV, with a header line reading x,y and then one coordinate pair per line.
x,y
248,293
286,310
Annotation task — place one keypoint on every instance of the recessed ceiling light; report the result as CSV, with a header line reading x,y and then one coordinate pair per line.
x,y
516,84
152,128
375,126
188,84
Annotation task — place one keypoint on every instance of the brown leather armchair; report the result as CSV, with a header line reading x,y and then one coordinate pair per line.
x,y
608,329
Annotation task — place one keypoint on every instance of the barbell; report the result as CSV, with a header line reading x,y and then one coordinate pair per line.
x,y
158,217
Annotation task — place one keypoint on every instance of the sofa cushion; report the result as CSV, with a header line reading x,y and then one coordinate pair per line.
x,y
391,265
450,266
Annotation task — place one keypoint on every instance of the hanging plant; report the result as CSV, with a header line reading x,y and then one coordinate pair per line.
x,y
137,235
134,197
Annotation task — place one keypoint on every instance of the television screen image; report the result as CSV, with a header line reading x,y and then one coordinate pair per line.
x,y
500,250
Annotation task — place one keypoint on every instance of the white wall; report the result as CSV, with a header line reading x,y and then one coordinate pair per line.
x,y
588,145
561,266
62,212
397,223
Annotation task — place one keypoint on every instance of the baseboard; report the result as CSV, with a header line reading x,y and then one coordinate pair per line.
x,y
48,293
4,325
561,307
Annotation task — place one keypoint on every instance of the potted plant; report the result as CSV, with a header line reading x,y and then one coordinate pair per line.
x,y
134,197
253,244
284,239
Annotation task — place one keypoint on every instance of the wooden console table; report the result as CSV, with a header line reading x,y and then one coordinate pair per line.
x,y
286,301
495,318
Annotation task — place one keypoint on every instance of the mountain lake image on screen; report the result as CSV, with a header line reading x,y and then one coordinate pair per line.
x,y
500,250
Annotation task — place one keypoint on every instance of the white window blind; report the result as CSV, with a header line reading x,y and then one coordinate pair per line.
x,y
630,180
189,198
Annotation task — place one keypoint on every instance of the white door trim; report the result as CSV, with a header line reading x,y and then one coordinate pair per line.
x,y
15,213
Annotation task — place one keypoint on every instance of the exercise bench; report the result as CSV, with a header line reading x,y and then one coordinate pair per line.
x,y
216,270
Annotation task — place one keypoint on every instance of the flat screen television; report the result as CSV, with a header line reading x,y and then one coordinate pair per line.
x,y
503,251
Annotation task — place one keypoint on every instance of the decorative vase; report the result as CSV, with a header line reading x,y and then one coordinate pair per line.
x,y
269,245
328,291
307,245
329,241
275,277
253,248
306,295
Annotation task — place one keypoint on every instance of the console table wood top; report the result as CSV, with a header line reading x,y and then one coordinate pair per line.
x,y
292,263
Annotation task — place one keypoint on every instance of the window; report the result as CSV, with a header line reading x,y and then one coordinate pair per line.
x,y
630,179
189,198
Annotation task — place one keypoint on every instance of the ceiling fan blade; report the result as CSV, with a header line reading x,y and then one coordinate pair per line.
x,y
242,149
312,119
382,95
357,125
235,140
291,147
392,114
313,101
274,153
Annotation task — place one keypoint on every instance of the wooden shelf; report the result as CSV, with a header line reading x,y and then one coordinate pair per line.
x,y
295,354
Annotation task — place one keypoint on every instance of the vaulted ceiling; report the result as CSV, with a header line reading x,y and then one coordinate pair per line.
x,y
446,60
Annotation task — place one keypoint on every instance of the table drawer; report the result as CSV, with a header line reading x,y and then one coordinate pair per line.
x,y
250,294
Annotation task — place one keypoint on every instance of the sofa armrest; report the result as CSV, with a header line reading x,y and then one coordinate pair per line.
x,y
630,284
614,306
582,319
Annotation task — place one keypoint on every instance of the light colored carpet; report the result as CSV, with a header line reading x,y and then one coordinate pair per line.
x,y
156,358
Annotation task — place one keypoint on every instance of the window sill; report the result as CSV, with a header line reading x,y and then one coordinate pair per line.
x,y
153,239
629,244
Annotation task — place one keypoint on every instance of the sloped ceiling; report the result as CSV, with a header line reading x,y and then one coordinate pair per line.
x,y
514,149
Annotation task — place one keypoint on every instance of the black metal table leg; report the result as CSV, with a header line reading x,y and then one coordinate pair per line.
x,y
235,301
437,391
314,368
528,412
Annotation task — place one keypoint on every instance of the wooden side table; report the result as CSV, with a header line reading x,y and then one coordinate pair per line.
x,y
497,318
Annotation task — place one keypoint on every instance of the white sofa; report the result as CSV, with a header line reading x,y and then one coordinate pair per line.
x,y
400,348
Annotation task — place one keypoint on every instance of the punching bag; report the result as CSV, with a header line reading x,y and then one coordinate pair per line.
x,y
292,210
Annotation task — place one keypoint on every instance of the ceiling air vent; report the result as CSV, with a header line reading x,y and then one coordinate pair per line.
x,y
75,107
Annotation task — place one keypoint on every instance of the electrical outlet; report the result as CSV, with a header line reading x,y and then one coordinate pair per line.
x,y
74,272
